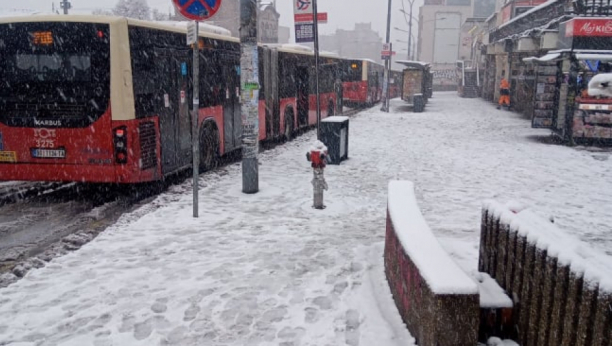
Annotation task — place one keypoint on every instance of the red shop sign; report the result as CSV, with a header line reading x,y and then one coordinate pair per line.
x,y
584,27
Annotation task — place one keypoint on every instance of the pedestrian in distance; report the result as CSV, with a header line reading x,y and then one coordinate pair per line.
x,y
504,93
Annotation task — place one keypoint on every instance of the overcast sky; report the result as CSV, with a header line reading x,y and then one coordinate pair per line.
x,y
343,14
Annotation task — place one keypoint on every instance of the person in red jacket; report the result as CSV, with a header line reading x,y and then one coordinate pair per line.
x,y
504,93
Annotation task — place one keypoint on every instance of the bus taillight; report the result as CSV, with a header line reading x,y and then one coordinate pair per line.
x,y
120,140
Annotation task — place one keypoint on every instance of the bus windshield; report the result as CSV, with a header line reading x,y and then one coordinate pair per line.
x,y
58,70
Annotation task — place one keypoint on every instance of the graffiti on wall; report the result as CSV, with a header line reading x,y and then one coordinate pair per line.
x,y
445,76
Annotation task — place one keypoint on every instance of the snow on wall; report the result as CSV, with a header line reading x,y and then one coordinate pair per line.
x,y
491,294
442,274
595,266
562,283
438,302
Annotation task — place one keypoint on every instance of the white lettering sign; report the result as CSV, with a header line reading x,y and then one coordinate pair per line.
x,y
599,29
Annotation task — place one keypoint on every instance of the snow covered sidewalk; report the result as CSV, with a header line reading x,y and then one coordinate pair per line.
x,y
267,269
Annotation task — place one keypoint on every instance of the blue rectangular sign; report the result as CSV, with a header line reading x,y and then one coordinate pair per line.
x,y
184,69
304,32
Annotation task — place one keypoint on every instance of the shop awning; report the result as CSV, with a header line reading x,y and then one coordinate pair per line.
x,y
594,56
546,58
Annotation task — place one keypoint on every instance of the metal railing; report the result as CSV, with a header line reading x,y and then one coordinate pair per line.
x,y
592,7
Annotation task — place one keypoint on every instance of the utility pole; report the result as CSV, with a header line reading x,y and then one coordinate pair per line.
x,y
195,133
249,81
385,106
316,48
65,5
410,31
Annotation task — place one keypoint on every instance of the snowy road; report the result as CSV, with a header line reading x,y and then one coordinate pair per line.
x,y
267,269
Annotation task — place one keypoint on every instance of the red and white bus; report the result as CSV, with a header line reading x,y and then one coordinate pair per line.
x,y
362,82
106,99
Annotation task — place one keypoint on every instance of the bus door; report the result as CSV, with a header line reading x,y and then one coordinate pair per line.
x,y
175,120
303,91
232,113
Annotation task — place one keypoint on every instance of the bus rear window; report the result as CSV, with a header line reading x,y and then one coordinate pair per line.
x,y
54,70
47,68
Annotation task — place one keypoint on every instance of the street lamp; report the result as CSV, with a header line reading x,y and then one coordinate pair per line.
x,y
406,14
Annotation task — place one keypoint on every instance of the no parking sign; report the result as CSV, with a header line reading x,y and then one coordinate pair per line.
x,y
197,9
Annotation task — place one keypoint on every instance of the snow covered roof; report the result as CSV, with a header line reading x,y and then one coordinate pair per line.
x,y
63,18
204,27
594,56
206,30
546,58
414,64
579,54
523,15
291,47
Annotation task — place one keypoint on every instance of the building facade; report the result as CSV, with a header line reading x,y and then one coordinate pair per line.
x,y
441,40
362,42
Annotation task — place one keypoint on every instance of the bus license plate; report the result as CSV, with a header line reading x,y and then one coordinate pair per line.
x,y
8,156
49,153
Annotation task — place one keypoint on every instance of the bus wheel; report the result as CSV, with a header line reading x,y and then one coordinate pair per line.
x,y
209,147
289,119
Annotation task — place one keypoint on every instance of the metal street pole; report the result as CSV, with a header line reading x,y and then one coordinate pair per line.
x,y
385,107
410,31
65,5
195,143
316,48
249,81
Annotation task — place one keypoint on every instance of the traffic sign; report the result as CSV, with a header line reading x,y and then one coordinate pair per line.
x,y
309,17
386,51
192,33
302,6
304,32
197,9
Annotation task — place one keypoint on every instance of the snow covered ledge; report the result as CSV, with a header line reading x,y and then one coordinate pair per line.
x,y
438,302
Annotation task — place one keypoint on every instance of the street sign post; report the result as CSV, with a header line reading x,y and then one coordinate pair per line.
x,y
387,59
196,10
307,20
303,16
387,51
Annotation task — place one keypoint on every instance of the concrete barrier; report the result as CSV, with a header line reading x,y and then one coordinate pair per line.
x,y
561,287
438,302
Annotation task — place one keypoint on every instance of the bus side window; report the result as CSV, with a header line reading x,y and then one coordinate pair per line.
x,y
144,72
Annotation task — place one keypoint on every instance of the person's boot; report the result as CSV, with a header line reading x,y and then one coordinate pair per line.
x,y
498,106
